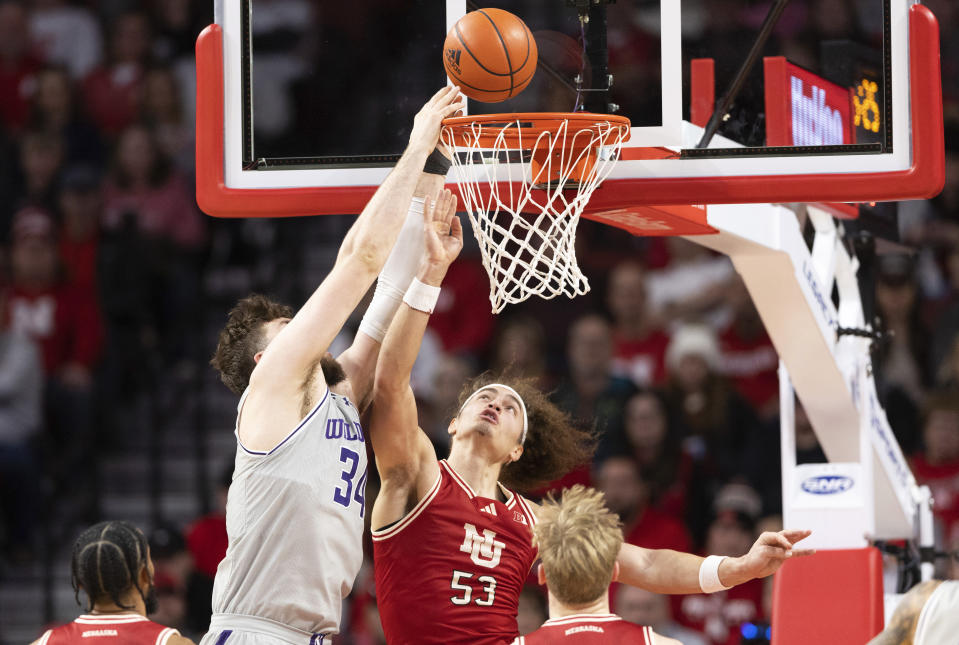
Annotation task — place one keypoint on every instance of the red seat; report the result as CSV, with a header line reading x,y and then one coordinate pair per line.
x,y
833,597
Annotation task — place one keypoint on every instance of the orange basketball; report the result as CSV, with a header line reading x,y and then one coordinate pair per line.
x,y
490,54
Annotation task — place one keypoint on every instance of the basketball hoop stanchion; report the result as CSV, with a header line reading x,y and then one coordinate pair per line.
x,y
525,180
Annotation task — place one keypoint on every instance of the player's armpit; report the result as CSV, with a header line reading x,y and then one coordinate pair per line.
x,y
902,626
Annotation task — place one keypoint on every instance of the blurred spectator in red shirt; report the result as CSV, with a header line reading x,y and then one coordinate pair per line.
x,y
720,615
647,608
618,478
64,320
639,343
54,110
112,92
17,65
749,359
145,184
692,286
66,34
206,537
81,207
937,466
462,317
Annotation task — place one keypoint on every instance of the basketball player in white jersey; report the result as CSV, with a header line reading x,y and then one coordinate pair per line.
x,y
927,615
296,504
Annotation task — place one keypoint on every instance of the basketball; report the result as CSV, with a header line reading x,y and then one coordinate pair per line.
x,y
490,54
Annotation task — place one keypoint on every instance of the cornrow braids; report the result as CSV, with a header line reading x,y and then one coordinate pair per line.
x,y
107,558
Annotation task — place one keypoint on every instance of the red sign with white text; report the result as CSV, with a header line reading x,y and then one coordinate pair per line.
x,y
803,109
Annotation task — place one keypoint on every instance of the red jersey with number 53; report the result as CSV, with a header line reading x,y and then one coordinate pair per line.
x,y
451,571
588,629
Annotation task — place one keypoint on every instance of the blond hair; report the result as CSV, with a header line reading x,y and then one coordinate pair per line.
x,y
578,540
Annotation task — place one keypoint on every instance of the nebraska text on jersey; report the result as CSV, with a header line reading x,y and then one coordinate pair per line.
x,y
119,629
451,571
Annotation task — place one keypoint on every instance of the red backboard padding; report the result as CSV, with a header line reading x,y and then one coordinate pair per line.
x,y
831,597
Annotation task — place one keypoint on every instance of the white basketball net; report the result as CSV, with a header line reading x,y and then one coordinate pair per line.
x,y
525,217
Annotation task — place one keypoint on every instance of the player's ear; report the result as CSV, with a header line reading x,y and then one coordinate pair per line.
x,y
615,572
515,453
257,357
451,429
540,574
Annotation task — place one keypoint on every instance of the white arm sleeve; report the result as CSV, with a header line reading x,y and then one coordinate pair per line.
x,y
400,268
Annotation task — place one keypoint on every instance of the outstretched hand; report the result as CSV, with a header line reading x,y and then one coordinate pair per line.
x,y
771,550
444,236
429,120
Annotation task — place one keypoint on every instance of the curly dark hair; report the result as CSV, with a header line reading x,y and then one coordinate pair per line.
x,y
242,338
554,444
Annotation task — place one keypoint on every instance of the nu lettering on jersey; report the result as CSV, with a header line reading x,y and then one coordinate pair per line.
x,y
485,550
343,429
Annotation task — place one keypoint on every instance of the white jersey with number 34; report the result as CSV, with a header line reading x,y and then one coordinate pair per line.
x,y
294,517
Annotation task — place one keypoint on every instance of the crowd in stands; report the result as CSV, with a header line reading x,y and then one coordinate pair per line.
x,y
101,272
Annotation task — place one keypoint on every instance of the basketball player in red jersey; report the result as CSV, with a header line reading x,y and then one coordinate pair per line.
x,y
578,540
111,563
451,543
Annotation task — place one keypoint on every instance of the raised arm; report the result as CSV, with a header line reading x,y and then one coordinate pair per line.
x,y
402,265
901,629
283,367
404,456
672,572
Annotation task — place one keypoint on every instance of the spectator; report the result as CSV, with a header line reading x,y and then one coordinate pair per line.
x,y
590,393
720,615
618,478
67,35
647,608
667,470
436,410
462,320
80,213
144,183
692,286
163,112
519,347
112,91
65,322
17,65
716,420
640,344
948,373
937,465
749,359
55,112
206,539
21,392
41,157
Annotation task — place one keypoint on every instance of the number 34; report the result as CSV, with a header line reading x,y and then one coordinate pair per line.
x,y
489,587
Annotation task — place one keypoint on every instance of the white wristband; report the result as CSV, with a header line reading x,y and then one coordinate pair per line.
x,y
421,297
709,574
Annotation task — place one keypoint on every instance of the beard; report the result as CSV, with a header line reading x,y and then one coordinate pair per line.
x,y
333,372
